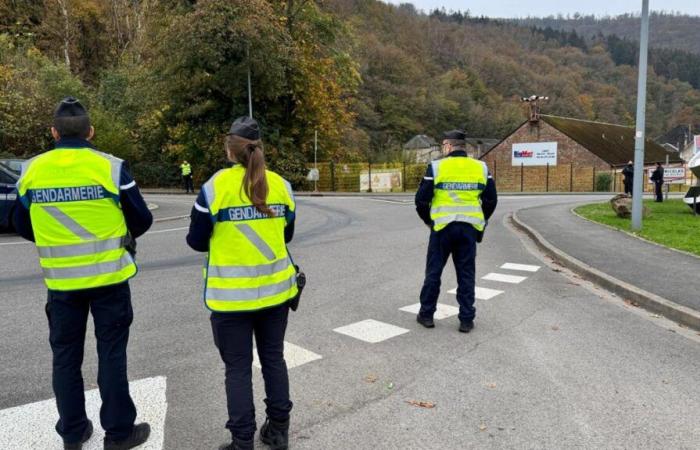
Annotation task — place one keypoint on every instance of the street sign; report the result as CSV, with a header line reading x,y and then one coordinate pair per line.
x,y
313,175
672,175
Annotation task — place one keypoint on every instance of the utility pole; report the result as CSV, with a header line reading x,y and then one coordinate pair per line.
x,y
316,159
638,189
250,88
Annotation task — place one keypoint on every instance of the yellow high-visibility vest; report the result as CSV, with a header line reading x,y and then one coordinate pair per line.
x,y
458,184
248,267
79,228
186,169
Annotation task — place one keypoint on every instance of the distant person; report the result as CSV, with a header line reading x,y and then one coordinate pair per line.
x,y
186,170
244,217
82,209
658,178
628,173
455,200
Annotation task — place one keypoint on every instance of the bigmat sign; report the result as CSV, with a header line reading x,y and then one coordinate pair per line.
x,y
535,154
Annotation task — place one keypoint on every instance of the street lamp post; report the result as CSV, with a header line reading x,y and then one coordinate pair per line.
x,y
638,189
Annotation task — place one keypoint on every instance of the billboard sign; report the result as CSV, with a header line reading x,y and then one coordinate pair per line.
x,y
535,154
382,180
672,175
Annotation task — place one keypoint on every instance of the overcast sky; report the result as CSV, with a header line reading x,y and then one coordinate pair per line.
x,y
524,8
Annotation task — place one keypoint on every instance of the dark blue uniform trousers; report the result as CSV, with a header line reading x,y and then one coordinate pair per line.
x,y
459,240
112,314
233,336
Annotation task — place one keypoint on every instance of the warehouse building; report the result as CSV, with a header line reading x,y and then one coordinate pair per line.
x,y
559,154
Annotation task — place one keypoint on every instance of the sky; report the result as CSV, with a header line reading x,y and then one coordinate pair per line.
x,y
539,8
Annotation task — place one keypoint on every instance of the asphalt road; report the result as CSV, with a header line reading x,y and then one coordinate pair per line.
x,y
552,363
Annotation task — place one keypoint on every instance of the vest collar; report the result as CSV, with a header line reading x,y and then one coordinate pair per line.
x,y
73,143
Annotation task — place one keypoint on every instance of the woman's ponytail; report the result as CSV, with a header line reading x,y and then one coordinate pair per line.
x,y
250,155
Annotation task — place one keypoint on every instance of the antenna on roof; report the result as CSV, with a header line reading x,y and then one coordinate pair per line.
x,y
533,102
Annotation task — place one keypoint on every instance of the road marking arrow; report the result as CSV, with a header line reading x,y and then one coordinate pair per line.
x,y
31,426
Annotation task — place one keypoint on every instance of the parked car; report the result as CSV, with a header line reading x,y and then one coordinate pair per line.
x,y
14,165
8,195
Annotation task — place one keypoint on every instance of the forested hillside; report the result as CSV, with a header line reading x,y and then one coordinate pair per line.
x,y
673,31
163,78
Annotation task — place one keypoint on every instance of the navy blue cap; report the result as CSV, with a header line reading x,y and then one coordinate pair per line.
x,y
70,107
457,135
245,127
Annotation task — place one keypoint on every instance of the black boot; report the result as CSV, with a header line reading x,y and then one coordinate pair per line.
x,y
275,434
238,444
138,436
86,437
466,327
427,322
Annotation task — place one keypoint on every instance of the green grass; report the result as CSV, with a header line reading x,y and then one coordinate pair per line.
x,y
671,223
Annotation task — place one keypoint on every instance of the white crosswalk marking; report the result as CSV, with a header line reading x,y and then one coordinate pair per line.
x,y
522,267
442,311
31,426
486,293
480,293
370,330
503,278
294,356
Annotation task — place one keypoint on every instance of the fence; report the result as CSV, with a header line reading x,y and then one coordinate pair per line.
x,y
357,177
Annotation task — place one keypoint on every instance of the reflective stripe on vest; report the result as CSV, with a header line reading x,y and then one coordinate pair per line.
x,y
73,200
459,182
248,267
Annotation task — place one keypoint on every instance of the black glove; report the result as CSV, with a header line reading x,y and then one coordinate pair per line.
x,y
130,244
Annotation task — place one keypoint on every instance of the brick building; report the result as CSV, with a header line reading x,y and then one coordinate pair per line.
x,y
558,154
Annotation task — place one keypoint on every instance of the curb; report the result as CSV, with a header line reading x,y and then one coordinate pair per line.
x,y
647,300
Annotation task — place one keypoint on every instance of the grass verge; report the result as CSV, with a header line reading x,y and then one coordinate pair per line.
x,y
671,223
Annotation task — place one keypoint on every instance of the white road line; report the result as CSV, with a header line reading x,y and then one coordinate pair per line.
x,y
31,426
371,331
165,219
480,293
294,356
442,312
523,267
503,278
393,202
168,230
16,243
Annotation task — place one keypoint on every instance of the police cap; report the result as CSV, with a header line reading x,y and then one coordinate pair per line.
x,y
245,127
457,135
70,107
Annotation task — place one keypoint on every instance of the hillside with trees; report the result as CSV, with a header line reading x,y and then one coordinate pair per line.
x,y
164,78
667,30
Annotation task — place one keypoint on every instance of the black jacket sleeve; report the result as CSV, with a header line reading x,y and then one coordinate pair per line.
x,y
489,198
136,213
22,221
424,196
201,225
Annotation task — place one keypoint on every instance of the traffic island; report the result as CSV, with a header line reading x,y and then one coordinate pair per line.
x,y
670,223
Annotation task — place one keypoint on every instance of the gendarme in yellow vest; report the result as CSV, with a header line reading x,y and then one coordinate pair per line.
x,y
79,228
458,184
248,266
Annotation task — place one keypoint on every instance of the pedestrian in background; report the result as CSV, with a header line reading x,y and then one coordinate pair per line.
x,y
628,174
658,178
455,199
244,217
83,209
186,170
